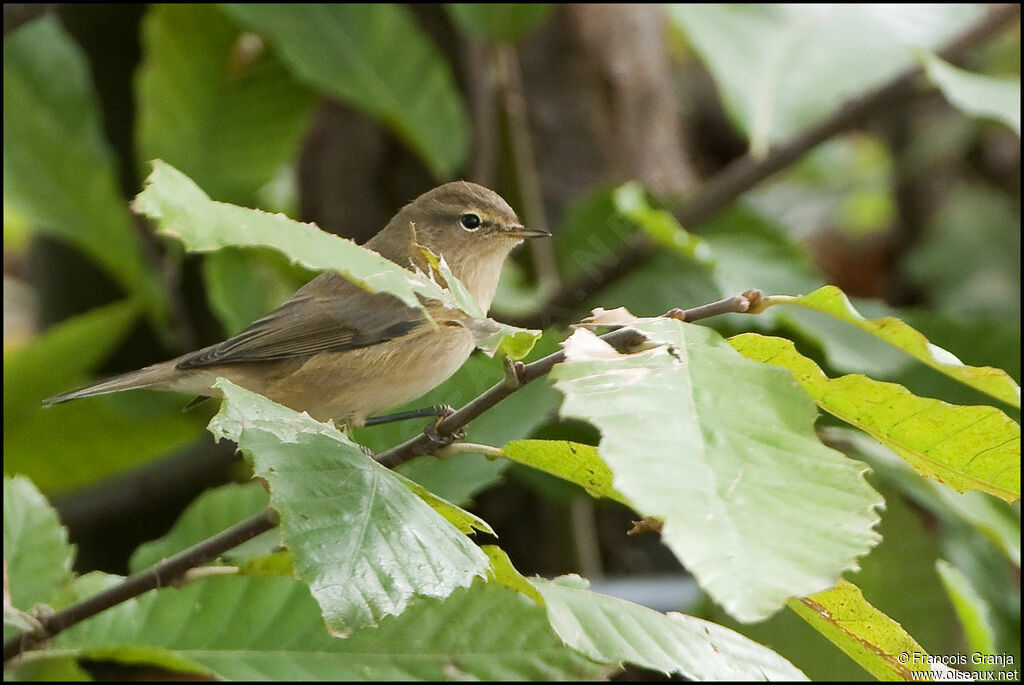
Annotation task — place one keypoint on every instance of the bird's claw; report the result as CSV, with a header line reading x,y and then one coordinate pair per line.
x,y
431,431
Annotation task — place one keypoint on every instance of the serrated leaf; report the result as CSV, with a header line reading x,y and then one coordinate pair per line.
x,y
460,518
832,301
504,573
362,540
571,461
210,513
977,94
498,21
37,555
777,67
725,454
265,628
612,630
59,171
967,448
185,212
375,58
864,633
215,103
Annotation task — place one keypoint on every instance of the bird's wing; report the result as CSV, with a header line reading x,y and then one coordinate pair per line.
x,y
328,314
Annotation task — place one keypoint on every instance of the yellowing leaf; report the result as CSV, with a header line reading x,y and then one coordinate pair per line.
x,y
867,635
831,300
967,448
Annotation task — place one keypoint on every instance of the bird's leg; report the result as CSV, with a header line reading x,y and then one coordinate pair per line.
x,y
439,410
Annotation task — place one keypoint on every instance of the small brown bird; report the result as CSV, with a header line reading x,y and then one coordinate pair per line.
x,y
339,352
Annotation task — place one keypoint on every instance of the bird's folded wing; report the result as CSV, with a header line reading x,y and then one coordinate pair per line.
x,y
327,315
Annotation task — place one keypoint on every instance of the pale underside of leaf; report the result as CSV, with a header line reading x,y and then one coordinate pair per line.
x,y
362,539
700,439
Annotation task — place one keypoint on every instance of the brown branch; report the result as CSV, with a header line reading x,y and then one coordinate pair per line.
x,y
477,63
160,575
723,188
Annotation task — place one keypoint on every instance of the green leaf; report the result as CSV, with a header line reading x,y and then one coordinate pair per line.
x,y
497,21
979,512
571,461
244,285
59,171
660,226
967,448
972,609
72,444
832,301
611,630
56,669
364,542
61,357
65,447
375,58
215,103
460,518
266,628
504,573
864,633
750,251
210,513
983,96
37,555
725,454
977,219
777,66
185,212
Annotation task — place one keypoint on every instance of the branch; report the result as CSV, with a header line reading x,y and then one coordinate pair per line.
x,y
172,569
725,187
161,575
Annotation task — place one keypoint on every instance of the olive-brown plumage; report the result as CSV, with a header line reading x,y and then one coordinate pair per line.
x,y
339,352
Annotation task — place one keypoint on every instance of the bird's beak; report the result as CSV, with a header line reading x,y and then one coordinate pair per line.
x,y
523,232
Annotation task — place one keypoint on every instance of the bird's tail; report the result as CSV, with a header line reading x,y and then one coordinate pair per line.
x,y
142,378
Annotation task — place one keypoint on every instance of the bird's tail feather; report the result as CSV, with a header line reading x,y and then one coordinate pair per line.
x,y
141,378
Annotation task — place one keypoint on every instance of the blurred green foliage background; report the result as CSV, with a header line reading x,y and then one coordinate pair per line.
x,y
339,114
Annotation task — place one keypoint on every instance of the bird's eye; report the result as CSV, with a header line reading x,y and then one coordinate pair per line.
x,y
470,222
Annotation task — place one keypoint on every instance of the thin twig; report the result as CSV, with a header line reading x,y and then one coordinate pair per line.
x,y
478,62
160,575
723,188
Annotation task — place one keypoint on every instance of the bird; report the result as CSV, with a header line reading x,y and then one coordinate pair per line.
x,y
341,353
